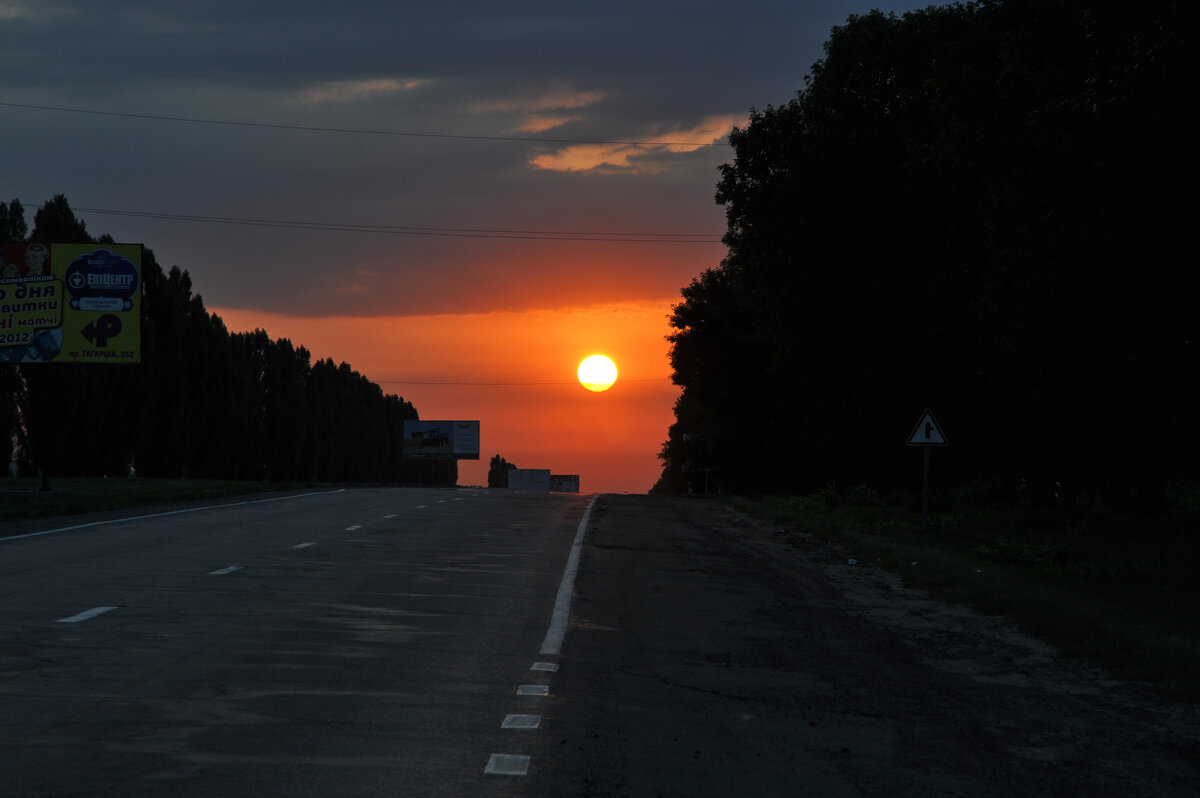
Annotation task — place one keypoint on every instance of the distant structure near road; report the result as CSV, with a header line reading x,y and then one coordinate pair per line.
x,y
564,483
542,479
529,478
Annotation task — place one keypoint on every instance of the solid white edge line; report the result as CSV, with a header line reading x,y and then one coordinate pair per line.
x,y
562,605
83,616
169,512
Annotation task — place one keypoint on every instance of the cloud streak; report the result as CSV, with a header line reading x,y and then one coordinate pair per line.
x,y
635,157
344,91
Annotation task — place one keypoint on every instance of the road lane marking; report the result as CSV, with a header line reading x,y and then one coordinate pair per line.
x,y
390,515
507,765
352,528
83,616
521,721
533,689
545,666
303,545
169,512
223,571
562,605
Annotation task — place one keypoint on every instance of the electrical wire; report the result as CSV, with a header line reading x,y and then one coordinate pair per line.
x,y
451,232
521,384
354,131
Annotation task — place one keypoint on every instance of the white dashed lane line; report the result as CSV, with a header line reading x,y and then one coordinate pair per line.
x,y
521,721
83,616
518,764
507,765
223,571
303,545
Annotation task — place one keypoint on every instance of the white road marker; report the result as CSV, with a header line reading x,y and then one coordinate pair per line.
x,y
521,721
390,515
223,571
533,689
545,666
352,528
83,616
507,765
552,645
303,545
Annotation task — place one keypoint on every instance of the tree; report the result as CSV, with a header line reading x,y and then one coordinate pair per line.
x,y
498,472
958,211
203,403
12,221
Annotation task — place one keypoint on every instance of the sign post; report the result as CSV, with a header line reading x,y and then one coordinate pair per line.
x,y
926,434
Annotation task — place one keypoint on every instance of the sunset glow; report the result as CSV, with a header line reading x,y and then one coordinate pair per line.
x,y
506,370
461,231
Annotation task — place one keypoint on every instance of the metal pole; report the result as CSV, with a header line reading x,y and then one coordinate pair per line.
x,y
925,491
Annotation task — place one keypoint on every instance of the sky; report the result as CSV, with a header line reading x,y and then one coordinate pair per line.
x,y
461,200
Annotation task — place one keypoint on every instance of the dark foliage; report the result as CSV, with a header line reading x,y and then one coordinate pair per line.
x,y
976,208
498,472
204,402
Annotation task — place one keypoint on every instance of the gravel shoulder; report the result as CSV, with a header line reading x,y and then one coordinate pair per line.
x,y
711,655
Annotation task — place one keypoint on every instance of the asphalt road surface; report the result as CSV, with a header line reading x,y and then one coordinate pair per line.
x,y
415,642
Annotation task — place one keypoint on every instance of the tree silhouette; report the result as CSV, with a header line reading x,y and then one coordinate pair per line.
x,y
203,402
962,209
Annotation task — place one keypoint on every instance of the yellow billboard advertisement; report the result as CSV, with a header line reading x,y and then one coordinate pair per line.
x,y
70,303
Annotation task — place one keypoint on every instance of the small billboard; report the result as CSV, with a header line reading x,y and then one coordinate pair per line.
x,y
529,479
564,483
441,440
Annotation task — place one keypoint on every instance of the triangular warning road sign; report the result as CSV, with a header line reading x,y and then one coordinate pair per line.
x,y
927,432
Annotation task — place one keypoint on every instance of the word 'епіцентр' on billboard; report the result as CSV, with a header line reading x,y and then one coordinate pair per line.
x,y
70,303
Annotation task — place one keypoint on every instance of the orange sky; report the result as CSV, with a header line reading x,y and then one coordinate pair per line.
x,y
523,389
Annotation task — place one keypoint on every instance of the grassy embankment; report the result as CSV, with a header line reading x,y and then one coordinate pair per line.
x,y
1121,592
22,499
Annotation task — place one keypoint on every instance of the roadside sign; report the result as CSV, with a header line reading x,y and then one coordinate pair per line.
x,y
927,432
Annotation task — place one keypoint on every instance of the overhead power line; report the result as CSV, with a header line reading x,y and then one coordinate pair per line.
x,y
354,131
522,384
451,232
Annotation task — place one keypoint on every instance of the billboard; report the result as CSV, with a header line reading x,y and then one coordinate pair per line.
x,y
70,303
442,440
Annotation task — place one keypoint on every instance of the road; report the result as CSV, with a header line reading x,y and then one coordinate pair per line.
x,y
402,642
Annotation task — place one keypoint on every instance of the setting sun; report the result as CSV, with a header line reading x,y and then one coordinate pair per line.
x,y
597,373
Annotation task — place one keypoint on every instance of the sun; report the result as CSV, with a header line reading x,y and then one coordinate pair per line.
x,y
597,373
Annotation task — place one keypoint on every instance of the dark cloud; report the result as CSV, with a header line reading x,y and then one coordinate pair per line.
x,y
611,71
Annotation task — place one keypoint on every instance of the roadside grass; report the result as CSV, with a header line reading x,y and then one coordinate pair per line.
x,y
1120,592
21,498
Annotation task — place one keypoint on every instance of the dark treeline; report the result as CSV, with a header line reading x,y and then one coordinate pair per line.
x,y
204,402
980,208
